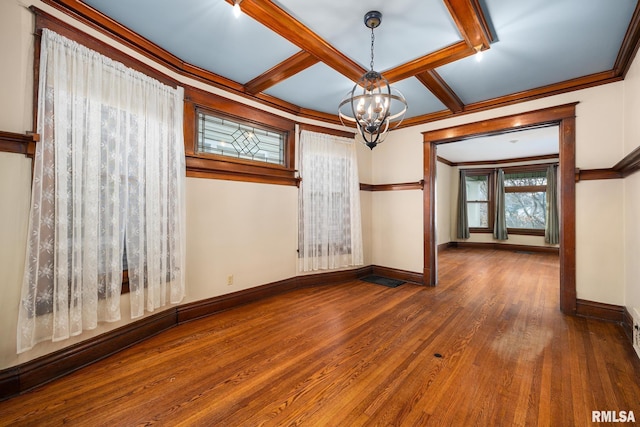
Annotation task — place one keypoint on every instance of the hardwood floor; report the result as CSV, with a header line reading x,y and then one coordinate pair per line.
x,y
487,347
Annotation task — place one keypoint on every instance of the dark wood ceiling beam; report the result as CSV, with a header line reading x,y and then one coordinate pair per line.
x,y
432,80
428,62
471,22
287,68
276,19
528,95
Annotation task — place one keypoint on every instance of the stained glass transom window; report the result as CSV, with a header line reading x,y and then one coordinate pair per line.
x,y
226,137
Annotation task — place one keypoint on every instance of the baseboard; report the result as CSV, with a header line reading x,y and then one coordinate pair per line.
x,y
63,362
627,324
209,306
394,273
600,311
214,305
24,377
504,246
447,245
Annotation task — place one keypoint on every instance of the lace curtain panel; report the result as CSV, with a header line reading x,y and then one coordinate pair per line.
x,y
108,180
330,229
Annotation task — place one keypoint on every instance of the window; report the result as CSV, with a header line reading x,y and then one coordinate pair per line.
x,y
525,200
228,140
330,230
227,137
479,186
108,175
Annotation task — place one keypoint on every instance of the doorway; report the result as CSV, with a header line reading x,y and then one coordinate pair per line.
x,y
564,117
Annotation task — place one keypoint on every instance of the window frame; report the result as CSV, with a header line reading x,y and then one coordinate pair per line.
x,y
210,165
490,174
508,189
526,189
44,20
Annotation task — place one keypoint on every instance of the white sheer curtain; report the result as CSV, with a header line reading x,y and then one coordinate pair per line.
x,y
329,203
108,172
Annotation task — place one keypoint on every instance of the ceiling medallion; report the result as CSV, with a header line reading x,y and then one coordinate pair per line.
x,y
373,104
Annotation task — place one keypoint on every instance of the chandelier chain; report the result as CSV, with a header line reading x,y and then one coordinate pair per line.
x,y
372,40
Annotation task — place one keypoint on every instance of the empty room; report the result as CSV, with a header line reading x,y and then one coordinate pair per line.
x,y
261,212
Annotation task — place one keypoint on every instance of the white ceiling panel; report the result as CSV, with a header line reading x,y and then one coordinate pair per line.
x,y
512,145
409,28
539,43
204,33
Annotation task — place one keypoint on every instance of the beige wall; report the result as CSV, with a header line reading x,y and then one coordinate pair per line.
x,y
242,229
15,187
446,200
631,190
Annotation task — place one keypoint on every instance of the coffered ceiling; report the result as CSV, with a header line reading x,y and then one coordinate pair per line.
x,y
303,56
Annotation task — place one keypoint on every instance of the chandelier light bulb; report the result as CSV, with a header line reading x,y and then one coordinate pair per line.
x,y
236,9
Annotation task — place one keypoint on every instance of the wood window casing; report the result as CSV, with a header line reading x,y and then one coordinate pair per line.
x,y
490,173
526,189
490,202
205,165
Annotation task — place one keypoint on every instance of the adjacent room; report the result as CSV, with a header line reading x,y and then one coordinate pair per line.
x,y
256,212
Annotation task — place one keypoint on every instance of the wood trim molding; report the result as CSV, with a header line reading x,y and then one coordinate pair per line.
x,y
429,238
516,98
504,247
596,174
393,187
627,324
502,161
394,273
328,131
19,143
436,84
629,164
200,167
428,62
47,368
446,162
564,116
448,245
629,45
287,68
600,311
24,377
551,115
273,17
471,22
207,307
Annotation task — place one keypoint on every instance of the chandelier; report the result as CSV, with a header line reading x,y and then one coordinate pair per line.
x,y
372,104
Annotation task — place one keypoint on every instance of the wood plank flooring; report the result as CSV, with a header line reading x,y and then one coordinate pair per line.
x,y
356,354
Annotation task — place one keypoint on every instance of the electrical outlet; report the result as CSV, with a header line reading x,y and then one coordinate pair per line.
x,y
230,280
